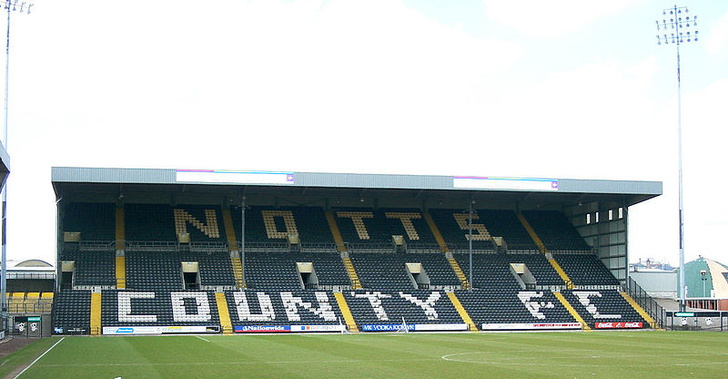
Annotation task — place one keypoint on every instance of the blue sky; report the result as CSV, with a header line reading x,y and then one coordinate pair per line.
x,y
563,89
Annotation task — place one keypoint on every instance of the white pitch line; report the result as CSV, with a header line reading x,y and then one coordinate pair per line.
x,y
41,356
233,363
202,339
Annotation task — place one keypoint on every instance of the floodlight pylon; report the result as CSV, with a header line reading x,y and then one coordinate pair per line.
x,y
677,26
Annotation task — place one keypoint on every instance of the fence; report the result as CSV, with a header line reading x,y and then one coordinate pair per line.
x,y
646,302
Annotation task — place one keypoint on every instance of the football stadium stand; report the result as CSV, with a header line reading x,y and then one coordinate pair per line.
x,y
157,258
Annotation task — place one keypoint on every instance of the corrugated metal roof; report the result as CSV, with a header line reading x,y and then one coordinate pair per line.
x,y
350,180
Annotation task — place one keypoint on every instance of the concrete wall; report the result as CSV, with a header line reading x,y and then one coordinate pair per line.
x,y
659,284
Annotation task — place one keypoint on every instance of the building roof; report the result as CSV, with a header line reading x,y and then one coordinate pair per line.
x,y
33,263
705,275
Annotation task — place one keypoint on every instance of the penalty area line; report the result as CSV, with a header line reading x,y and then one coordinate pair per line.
x,y
37,359
206,340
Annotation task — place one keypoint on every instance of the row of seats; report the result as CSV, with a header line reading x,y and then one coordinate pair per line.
x,y
602,306
164,308
153,271
29,302
382,271
490,271
254,307
379,225
95,221
215,268
162,270
454,227
160,222
555,231
271,271
586,269
513,306
412,306
494,270
149,270
95,268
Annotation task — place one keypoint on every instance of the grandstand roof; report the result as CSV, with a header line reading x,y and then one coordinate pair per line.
x,y
180,185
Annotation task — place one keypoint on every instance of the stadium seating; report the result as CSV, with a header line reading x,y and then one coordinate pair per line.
x,y
586,269
274,225
95,221
437,268
603,306
555,231
329,269
158,308
72,312
95,269
202,223
274,271
388,270
153,271
505,223
513,307
410,306
291,283
490,271
382,271
215,268
453,225
252,307
368,230
29,302
149,222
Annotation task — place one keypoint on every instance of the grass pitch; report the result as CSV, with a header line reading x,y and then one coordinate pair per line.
x,y
432,355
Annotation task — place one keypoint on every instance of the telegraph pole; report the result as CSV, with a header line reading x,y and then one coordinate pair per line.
x,y
24,7
676,27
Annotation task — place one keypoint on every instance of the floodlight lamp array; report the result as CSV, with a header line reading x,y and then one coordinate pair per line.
x,y
17,6
676,27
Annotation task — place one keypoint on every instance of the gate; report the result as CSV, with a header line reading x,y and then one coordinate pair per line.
x,y
27,326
